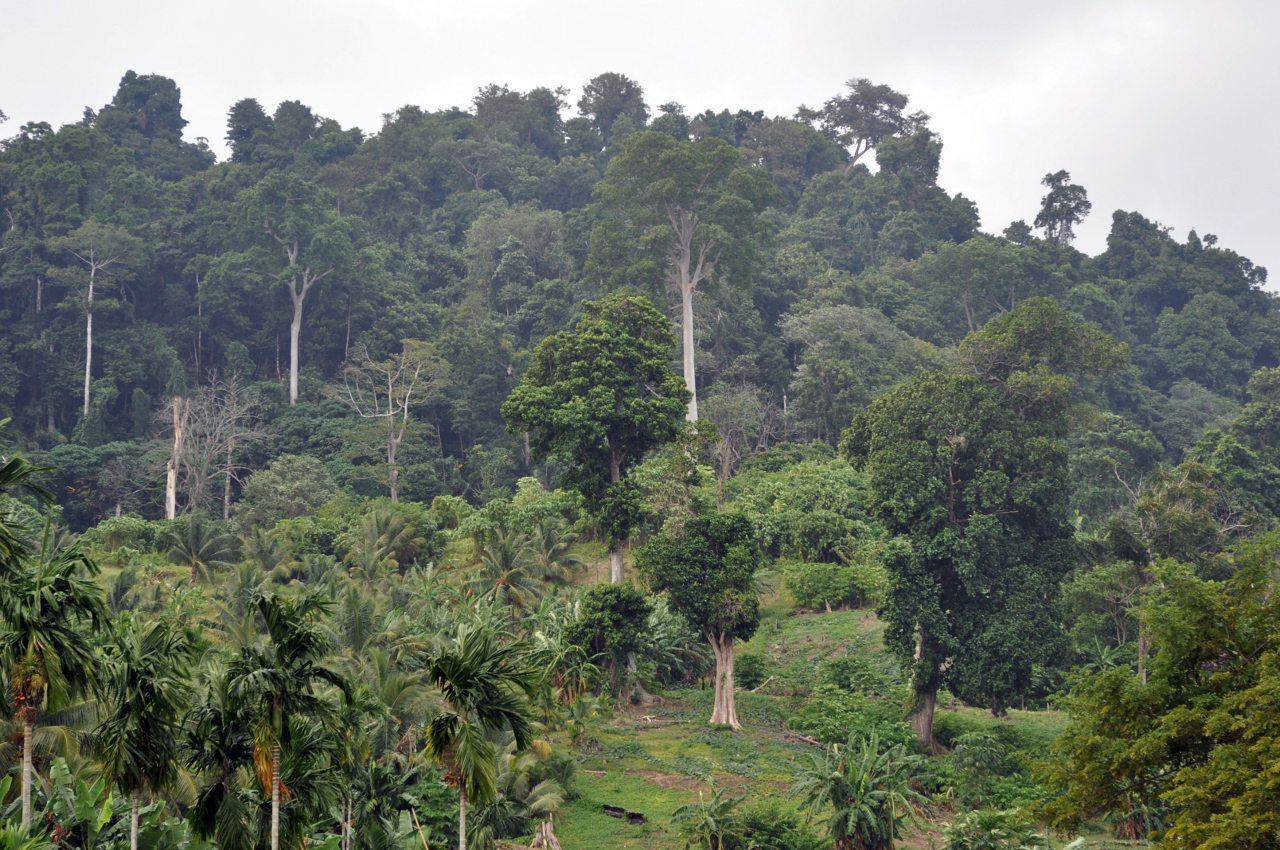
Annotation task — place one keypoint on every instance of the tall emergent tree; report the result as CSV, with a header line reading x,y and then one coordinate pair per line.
x,y
1065,206
863,117
970,470
599,397
99,247
708,571
297,239
683,212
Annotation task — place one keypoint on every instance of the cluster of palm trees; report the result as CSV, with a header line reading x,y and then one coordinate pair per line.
x,y
267,698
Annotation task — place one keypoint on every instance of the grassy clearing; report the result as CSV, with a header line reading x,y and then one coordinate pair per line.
x,y
654,759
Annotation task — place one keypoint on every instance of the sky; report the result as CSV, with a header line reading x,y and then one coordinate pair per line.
x,y
1169,108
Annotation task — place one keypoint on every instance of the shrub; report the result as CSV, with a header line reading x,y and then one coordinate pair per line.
x,y
988,829
748,671
817,585
832,716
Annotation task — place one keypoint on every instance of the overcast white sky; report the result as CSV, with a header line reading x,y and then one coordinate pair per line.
x,y
1167,107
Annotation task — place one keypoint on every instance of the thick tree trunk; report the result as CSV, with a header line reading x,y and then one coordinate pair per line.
x,y
393,474
133,820
723,709
275,797
28,735
615,566
462,817
295,334
921,717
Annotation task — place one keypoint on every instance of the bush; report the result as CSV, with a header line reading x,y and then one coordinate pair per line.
x,y
832,716
816,586
988,829
855,674
748,671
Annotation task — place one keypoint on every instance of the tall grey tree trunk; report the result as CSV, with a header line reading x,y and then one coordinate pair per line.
x,y
133,820
295,334
88,340
686,336
171,466
275,797
462,817
28,736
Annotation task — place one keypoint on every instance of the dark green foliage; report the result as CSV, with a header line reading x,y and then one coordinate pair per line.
x,y
599,398
610,626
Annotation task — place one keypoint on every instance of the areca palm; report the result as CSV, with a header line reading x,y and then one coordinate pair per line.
x,y
145,688
275,681
484,685
50,608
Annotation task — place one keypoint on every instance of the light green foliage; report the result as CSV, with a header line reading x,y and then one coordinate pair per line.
x,y
290,487
818,586
988,829
599,398
867,788
1188,756
832,714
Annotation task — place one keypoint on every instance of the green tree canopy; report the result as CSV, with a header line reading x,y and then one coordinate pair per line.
x,y
599,398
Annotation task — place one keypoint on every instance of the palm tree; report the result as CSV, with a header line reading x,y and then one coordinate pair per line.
x,y
507,572
549,550
146,689
51,609
871,787
484,684
275,681
201,546
15,472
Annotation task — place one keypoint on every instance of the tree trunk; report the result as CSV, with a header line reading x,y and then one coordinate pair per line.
x,y
226,481
922,716
295,334
88,340
615,548
462,816
28,735
171,467
275,797
686,335
724,709
133,820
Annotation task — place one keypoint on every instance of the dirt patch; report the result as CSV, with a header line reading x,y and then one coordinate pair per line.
x,y
671,781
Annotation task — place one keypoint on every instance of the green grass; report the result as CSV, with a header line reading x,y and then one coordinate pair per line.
x,y
654,759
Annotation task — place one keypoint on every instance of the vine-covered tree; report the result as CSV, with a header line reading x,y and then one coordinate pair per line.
x,y
970,470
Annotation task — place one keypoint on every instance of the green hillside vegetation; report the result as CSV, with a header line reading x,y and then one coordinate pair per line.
x,y
464,481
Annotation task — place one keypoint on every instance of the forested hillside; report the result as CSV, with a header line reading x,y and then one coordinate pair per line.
x,y
357,413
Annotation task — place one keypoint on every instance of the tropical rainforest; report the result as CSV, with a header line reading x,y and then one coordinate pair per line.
x,y
588,473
